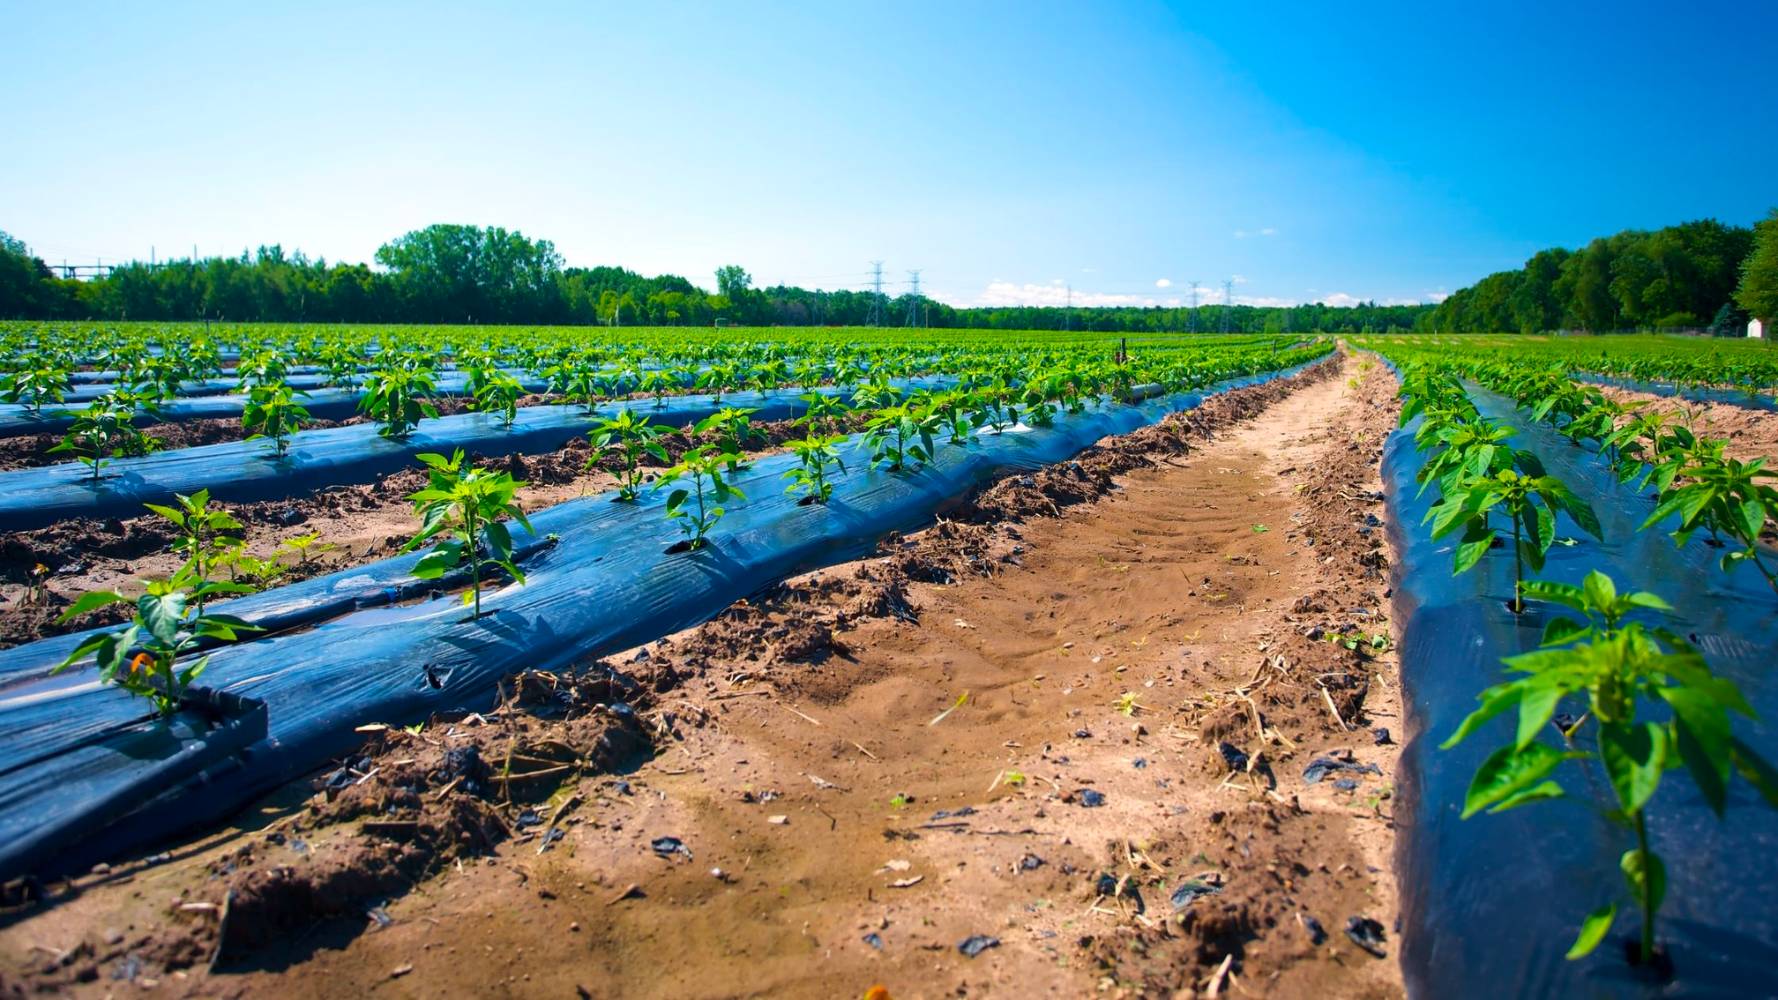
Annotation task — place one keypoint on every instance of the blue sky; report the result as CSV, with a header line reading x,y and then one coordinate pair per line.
x,y
1314,150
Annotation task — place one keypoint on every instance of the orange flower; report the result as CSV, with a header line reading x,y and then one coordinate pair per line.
x,y
877,993
139,661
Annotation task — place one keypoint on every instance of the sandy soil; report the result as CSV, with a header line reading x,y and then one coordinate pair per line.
x,y
1750,433
1069,732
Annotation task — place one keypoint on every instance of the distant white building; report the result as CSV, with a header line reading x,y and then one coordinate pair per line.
x,y
1757,327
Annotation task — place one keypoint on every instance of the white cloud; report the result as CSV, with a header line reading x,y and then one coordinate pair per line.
x,y
1242,234
1007,293
1343,300
1438,296
1268,231
1000,292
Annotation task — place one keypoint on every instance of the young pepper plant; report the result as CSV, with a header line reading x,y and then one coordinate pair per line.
x,y
814,454
273,413
1529,499
1726,497
1618,667
105,429
628,437
142,658
732,427
206,537
497,392
396,399
460,515
41,381
697,507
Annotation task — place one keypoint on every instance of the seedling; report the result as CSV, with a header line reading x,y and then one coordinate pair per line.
x,y
251,571
396,399
1617,666
206,537
460,511
142,658
815,454
306,547
657,383
498,392
629,437
1530,501
272,412
105,429
823,410
697,507
733,430
901,438
42,382
1729,498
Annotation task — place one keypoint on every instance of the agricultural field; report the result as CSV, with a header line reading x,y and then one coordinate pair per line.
x,y
834,662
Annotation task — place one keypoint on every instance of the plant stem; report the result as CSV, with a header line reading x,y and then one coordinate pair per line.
x,y
1648,890
697,480
1518,567
475,563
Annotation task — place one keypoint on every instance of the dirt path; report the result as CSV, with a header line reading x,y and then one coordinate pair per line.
x,y
1078,722
1750,433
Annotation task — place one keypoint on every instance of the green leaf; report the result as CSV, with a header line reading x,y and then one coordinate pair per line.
x,y
1601,592
172,514
1634,757
91,601
499,539
1561,630
1753,517
1475,544
434,564
1536,793
1578,511
1565,594
1507,772
1592,931
1670,504
103,644
1535,709
162,614
1701,726
1756,769
1637,866
1643,599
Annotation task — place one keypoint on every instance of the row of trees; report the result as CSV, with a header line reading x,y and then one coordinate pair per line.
x,y
1688,276
467,274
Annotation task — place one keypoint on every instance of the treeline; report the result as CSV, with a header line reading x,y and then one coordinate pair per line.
x,y
1683,277
467,274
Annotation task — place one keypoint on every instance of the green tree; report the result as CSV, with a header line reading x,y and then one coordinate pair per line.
x,y
453,274
1758,290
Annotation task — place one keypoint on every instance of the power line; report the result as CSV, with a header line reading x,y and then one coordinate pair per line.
x,y
914,300
1228,304
1192,317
